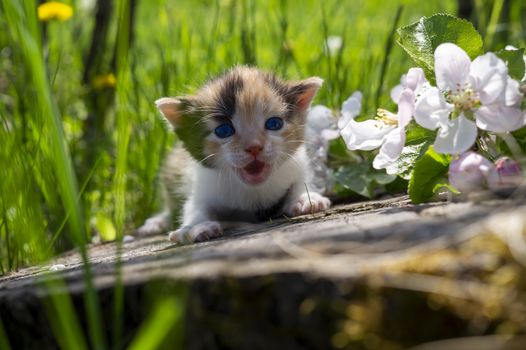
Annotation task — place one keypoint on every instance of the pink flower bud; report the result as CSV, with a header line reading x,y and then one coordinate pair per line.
x,y
506,173
468,172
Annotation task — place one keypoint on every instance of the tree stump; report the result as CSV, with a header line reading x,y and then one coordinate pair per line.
x,y
380,274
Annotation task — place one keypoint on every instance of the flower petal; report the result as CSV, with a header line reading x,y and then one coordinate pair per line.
x,y
350,109
499,118
365,135
406,107
320,117
488,76
513,94
330,134
507,173
431,109
415,78
396,92
457,137
468,172
391,149
451,66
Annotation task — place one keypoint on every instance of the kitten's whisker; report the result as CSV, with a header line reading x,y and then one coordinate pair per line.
x,y
230,181
293,158
207,157
218,184
286,140
301,141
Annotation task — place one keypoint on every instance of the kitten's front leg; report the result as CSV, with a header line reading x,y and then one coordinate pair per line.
x,y
197,226
308,203
159,223
200,232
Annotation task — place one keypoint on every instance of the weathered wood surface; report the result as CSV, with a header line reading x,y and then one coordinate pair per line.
x,y
294,283
338,243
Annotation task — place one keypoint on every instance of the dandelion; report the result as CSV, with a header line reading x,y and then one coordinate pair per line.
x,y
480,90
54,10
102,81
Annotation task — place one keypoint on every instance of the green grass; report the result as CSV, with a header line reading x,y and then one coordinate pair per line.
x,y
58,130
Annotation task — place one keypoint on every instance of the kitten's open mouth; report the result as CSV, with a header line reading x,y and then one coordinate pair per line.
x,y
255,172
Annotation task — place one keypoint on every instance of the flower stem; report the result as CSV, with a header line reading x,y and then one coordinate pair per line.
x,y
513,145
488,146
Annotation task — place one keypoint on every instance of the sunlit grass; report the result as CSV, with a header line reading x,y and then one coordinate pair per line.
x,y
165,315
22,23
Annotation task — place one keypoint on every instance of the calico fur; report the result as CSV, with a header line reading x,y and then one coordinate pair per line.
x,y
254,175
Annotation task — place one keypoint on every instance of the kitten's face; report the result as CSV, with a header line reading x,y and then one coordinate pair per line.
x,y
253,121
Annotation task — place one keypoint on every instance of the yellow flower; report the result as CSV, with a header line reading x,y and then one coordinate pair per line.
x,y
102,81
54,10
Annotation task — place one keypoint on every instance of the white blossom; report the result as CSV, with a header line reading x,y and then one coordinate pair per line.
x,y
387,130
505,174
320,129
469,172
479,90
351,108
414,80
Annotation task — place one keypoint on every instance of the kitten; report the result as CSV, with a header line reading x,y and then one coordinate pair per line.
x,y
242,158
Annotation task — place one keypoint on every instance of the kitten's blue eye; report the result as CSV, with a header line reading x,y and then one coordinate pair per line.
x,y
224,131
274,123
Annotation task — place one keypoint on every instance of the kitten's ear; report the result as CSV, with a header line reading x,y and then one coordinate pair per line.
x,y
304,91
172,109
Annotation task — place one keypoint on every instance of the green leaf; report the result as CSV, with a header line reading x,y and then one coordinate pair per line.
x,y
515,61
429,170
403,166
383,178
520,134
355,178
445,185
420,39
415,134
362,178
338,148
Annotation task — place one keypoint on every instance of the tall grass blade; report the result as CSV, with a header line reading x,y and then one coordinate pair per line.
x,y
62,316
123,138
166,315
496,12
4,341
19,21
387,54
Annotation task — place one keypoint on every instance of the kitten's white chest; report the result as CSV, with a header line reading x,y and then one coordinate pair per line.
x,y
224,190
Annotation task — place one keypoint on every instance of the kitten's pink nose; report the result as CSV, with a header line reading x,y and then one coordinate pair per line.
x,y
254,150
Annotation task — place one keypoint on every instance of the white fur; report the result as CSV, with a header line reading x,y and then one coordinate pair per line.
x,y
212,189
229,188
156,224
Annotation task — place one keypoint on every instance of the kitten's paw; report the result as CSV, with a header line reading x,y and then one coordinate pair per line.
x,y
155,225
308,204
201,232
